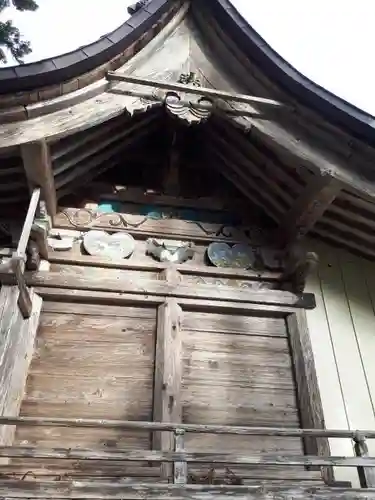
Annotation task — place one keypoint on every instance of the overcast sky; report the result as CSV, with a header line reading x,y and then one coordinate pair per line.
x,y
329,41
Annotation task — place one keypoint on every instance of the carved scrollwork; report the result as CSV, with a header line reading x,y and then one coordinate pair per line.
x,y
85,217
170,250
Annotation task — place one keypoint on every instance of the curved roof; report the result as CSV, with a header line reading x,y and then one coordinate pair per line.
x,y
272,154
335,109
59,69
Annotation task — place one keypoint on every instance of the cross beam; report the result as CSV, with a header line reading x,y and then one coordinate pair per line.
x,y
190,89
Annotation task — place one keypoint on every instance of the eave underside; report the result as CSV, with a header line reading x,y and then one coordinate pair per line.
x,y
270,155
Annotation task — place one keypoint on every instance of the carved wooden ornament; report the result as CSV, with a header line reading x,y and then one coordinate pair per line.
x,y
238,256
114,246
173,251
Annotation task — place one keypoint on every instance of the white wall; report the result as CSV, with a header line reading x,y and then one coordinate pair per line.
x,y
342,329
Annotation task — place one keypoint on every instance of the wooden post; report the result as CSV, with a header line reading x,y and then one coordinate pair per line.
x,y
309,402
37,163
24,300
366,474
168,374
179,468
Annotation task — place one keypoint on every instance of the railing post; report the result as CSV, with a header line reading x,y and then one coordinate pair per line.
x,y
366,474
24,300
179,468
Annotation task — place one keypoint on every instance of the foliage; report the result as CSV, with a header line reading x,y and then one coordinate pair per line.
x,y
10,36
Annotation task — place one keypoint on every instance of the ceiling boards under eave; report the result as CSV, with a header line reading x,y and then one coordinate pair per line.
x,y
272,163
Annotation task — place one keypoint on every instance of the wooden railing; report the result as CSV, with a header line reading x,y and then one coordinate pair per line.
x,y
179,458
18,259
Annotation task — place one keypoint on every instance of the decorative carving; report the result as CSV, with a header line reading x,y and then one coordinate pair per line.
x,y
299,264
32,256
114,246
238,256
117,220
170,250
189,79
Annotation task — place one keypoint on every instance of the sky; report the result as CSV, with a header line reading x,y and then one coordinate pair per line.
x,y
329,41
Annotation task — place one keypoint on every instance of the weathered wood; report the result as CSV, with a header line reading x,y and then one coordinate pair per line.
x,y
180,468
37,164
168,374
24,300
89,261
308,208
97,490
90,282
29,220
196,428
207,92
172,456
171,275
16,349
366,474
310,404
202,305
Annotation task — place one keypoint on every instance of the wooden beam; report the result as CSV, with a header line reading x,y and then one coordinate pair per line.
x,y
116,454
168,375
171,427
38,167
314,200
94,282
309,401
98,490
190,89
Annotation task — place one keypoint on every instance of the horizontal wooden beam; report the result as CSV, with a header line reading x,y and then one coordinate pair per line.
x,y
66,295
89,261
201,91
193,428
89,282
158,491
308,208
115,454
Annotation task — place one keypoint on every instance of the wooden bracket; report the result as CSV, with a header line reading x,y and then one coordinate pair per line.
x,y
308,208
38,167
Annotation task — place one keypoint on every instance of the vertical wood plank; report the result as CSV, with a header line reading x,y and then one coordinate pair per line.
x,y
168,375
37,163
310,405
327,372
344,342
16,350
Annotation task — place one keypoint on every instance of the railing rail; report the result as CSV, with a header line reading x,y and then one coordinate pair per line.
x,y
179,457
18,259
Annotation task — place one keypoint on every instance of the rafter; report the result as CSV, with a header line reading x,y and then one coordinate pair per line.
x,y
314,200
37,164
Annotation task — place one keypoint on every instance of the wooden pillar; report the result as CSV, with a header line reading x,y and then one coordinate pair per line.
x,y
168,375
37,164
309,401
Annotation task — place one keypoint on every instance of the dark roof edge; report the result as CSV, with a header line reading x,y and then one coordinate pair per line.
x,y
338,111
56,70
